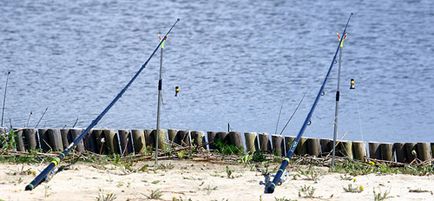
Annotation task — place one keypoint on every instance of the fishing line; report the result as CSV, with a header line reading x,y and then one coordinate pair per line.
x,y
4,97
56,160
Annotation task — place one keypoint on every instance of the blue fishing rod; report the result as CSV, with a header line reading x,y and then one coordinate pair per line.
x,y
55,162
270,186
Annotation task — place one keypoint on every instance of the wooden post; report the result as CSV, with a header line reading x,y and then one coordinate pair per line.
x,y
148,138
410,151
30,136
250,141
326,146
313,146
359,151
264,142
432,149
386,150
424,151
98,141
43,138
181,138
139,141
19,140
301,147
111,146
126,146
211,137
55,139
345,148
197,138
277,145
89,142
64,134
172,134
374,150
235,139
400,152
161,138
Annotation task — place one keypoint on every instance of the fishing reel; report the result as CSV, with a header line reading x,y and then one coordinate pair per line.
x,y
267,179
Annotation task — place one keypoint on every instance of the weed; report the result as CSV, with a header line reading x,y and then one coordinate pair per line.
x,y
209,189
310,173
105,197
379,195
227,149
166,166
180,199
346,177
229,173
353,189
306,192
258,156
155,182
156,195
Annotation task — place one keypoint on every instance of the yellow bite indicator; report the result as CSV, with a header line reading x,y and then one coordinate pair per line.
x,y
352,84
177,90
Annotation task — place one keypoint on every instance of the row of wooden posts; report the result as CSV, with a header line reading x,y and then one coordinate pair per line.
x,y
124,141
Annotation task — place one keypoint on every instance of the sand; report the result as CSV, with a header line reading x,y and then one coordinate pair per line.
x,y
186,180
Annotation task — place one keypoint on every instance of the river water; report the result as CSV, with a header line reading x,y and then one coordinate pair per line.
x,y
236,62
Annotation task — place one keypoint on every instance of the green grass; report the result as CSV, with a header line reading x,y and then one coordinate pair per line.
x,y
227,149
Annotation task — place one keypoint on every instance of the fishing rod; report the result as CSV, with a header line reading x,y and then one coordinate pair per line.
x,y
278,117
293,113
55,162
289,120
42,116
28,119
270,186
335,127
4,97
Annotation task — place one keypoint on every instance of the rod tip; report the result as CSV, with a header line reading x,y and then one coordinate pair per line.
x,y
177,19
352,13
9,72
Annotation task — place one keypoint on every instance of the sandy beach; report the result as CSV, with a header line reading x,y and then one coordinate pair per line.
x,y
192,180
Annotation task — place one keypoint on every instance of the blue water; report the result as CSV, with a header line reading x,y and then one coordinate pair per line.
x,y
235,61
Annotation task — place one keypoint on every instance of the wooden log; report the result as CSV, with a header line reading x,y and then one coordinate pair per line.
x,y
30,139
89,142
386,150
250,141
139,141
198,138
326,146
172,134
313,146
410,152
234,138
162,138
99,141
43,140
182,138
359,150
149,141
264,143
424,151
399,150
54,139
125,140
301,149
221,136
374,150
211,137
64,134
432,149
277,145
74,133
344,148
110,145
19,141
